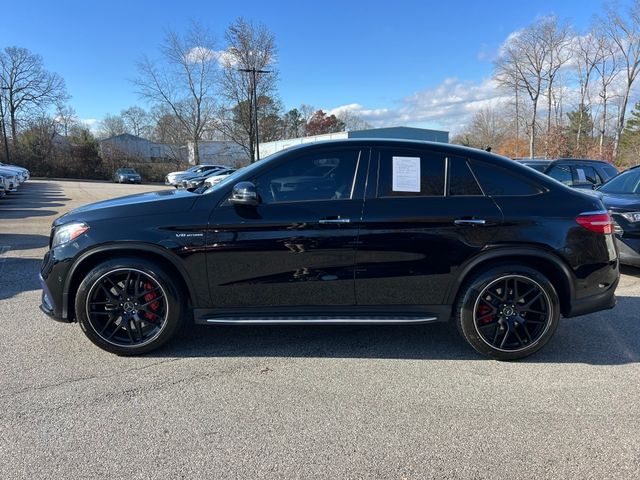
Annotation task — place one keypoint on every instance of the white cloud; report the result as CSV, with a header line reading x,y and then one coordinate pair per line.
x,y
199,54
449,105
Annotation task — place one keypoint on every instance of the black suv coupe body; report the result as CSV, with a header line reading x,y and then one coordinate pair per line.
x,y
574,172
354,231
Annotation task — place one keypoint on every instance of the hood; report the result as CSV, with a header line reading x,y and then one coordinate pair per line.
x,y
15,167
150,203
621,201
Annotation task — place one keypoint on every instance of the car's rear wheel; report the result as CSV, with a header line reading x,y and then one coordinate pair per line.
x,y
508,312
129,306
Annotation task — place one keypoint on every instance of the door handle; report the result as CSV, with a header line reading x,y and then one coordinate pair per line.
x,y
324,221
470,221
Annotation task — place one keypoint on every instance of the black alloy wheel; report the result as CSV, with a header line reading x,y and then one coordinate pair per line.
x,y
508,312
128,306
512,312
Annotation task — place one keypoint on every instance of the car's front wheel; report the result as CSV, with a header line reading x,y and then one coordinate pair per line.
x,y
508,312
129,306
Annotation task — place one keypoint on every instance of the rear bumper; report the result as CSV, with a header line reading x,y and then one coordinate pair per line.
x,y
604,300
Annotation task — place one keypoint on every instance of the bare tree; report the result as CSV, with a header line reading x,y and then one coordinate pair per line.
x,y
252,48
608,68
111,125
487,129
170,132
588,55
522,65
66,119
555,38
183,80
136,121
352,121
26,85
623,28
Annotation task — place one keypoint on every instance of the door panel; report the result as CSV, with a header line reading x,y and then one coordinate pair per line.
x,y
284,254
298,246
410,247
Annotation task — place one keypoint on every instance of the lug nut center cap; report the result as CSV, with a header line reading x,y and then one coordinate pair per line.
x,y
128,307
508,311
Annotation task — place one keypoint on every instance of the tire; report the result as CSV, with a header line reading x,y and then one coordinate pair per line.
x,y
507,312
132,320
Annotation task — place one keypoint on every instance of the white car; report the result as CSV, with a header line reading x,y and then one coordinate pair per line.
x,y
176,178
21,173
11,180
217,178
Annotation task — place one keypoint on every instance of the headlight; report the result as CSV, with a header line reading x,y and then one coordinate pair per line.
x,y
631,217
68,233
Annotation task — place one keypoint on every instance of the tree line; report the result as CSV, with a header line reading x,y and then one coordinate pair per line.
x,y
193,89
563,93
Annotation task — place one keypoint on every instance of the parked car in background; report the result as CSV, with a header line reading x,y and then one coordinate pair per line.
x,y
621,196
127,175
218,177
176,178
207,178
22,173
12,180
344,232
574,172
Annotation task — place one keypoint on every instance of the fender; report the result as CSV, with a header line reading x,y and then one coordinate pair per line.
x,y
499,251
140,246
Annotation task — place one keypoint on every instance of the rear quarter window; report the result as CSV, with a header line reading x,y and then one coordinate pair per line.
x,y
496,180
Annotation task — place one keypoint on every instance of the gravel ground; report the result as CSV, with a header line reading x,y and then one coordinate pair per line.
x,y
302,402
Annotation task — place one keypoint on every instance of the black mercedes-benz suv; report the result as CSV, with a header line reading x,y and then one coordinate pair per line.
x,y
346,232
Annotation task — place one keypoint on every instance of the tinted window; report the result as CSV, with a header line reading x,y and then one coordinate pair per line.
x,y
320,176
410,173
585,175
608,171
461,180
561,173
627,182
496,180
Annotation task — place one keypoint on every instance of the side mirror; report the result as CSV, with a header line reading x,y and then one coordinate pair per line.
x,y
245,194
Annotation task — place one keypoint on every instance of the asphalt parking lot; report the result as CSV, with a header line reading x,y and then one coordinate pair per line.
x,y
302,402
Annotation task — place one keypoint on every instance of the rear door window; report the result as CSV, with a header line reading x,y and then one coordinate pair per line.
x,y
410,173
461,179
562,173
585,175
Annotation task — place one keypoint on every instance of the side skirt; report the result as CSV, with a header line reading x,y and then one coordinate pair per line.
x,y
306,316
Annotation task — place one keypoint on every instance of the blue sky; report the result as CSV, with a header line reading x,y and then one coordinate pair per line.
x,y
388,61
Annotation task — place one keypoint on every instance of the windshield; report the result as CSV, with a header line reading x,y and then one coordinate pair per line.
x,y
127,170
626,182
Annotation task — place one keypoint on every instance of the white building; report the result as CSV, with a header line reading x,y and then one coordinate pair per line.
x,y
406,133
218,152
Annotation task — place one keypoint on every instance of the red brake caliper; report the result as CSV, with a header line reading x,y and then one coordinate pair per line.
x,y
485,310
153,306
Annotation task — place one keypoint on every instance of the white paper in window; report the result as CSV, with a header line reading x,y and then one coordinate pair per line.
x,y
406,174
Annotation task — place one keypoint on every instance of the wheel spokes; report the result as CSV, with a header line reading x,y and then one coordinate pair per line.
x,y
127,307
512,313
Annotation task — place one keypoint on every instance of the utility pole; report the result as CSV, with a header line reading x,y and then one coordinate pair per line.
x,y
254,99
4,127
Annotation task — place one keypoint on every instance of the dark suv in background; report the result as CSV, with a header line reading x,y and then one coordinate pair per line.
x,y
574,172
345,232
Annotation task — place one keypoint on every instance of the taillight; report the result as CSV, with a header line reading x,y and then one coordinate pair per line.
x,y
599,222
